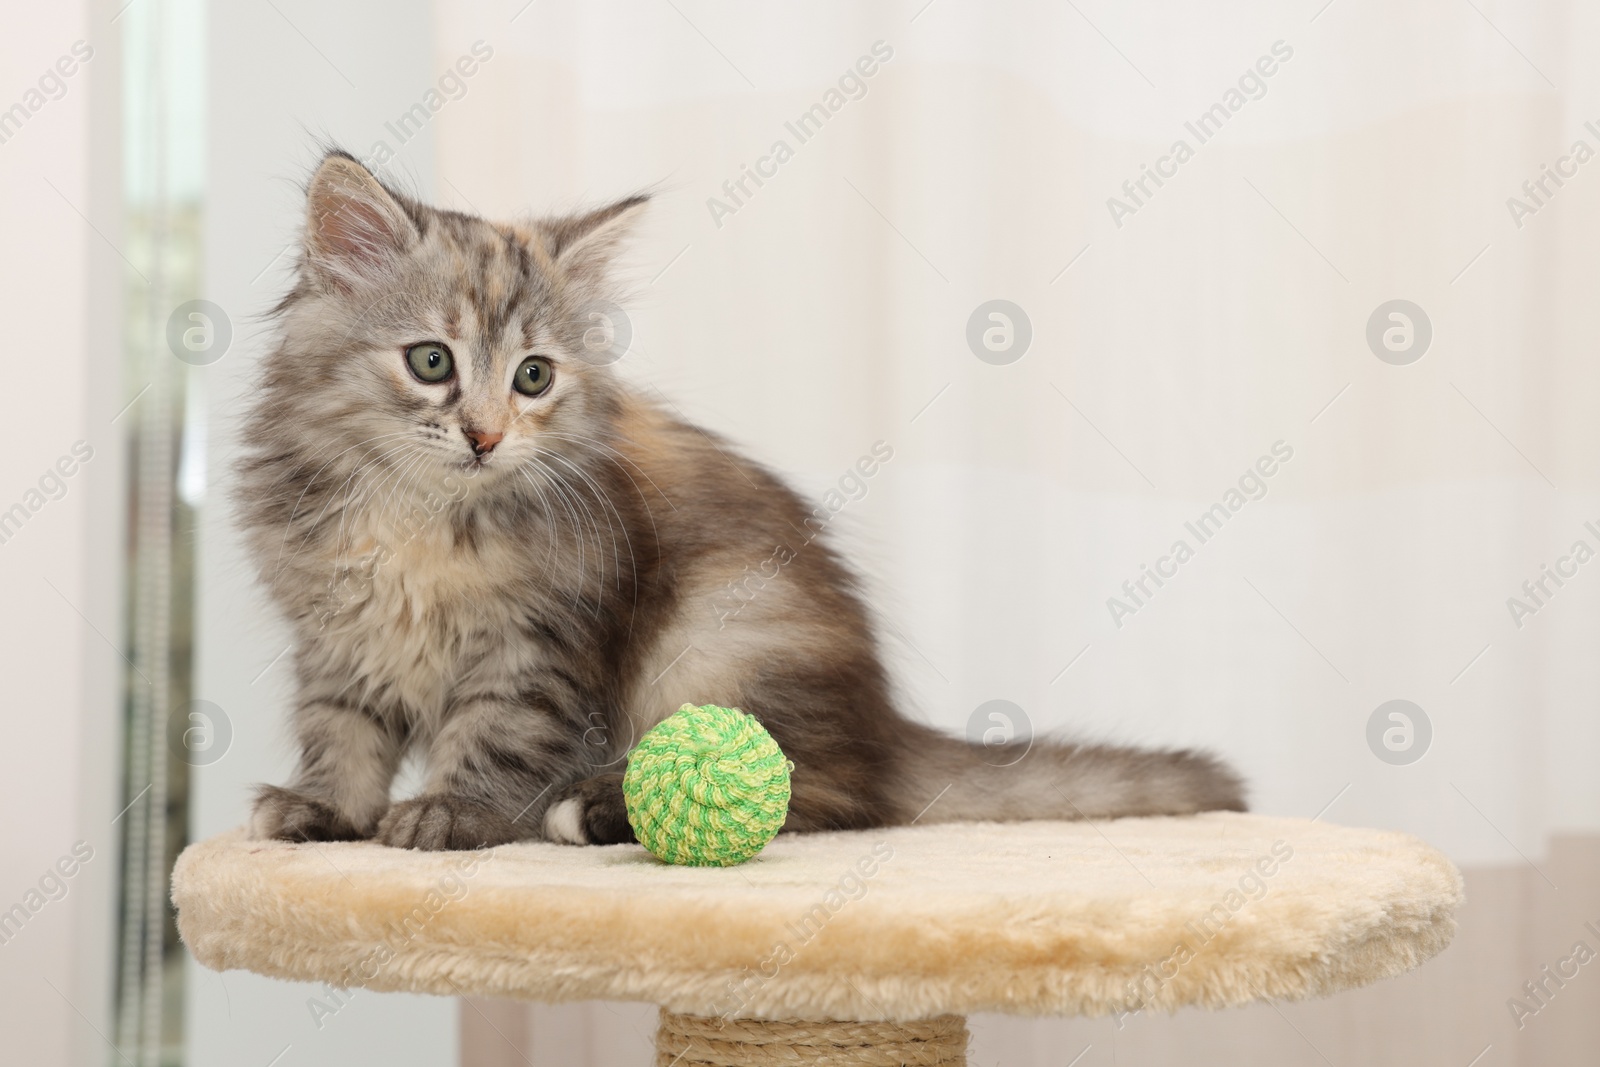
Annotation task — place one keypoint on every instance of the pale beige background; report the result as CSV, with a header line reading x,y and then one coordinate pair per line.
x,y
60,575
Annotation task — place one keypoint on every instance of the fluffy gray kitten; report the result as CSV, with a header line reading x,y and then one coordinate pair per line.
x,y
495,552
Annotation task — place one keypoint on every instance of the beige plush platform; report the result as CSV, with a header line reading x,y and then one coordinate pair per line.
x,y
903,924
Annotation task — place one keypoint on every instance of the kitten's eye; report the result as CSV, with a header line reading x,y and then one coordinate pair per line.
x,y
533,376
430,362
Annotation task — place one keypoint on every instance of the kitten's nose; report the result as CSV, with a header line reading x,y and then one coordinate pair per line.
x,y
483,441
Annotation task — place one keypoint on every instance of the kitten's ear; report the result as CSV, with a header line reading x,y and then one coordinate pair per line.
x,y
355,229
584,245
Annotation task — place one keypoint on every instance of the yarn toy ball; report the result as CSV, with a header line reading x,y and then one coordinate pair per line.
x,y
706,787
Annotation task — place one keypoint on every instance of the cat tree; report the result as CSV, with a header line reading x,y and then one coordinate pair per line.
x,y
861,948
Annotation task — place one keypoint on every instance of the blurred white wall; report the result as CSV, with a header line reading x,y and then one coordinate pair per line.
x,y
62,281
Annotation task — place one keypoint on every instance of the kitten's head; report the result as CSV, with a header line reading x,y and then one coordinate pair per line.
x,y
429,344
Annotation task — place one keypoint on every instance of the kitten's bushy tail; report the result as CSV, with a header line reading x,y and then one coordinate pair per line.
x,y
1057,780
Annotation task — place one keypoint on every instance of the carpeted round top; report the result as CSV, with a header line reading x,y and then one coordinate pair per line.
x,y
1035,918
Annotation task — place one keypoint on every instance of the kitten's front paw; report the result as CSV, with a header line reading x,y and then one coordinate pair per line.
x,y
288,815
439,823
590,812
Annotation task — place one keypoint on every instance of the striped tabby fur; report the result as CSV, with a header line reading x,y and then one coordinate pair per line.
x,y
521,616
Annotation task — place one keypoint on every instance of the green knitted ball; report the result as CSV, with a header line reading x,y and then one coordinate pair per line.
x,y
706,787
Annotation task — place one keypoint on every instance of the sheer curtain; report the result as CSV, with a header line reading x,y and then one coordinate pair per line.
x,y
1206,217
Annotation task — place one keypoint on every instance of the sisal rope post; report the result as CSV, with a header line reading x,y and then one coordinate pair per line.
x,y
698,1041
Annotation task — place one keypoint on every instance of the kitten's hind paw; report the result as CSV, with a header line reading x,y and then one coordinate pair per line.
x,y
590,812
442,822
288,815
